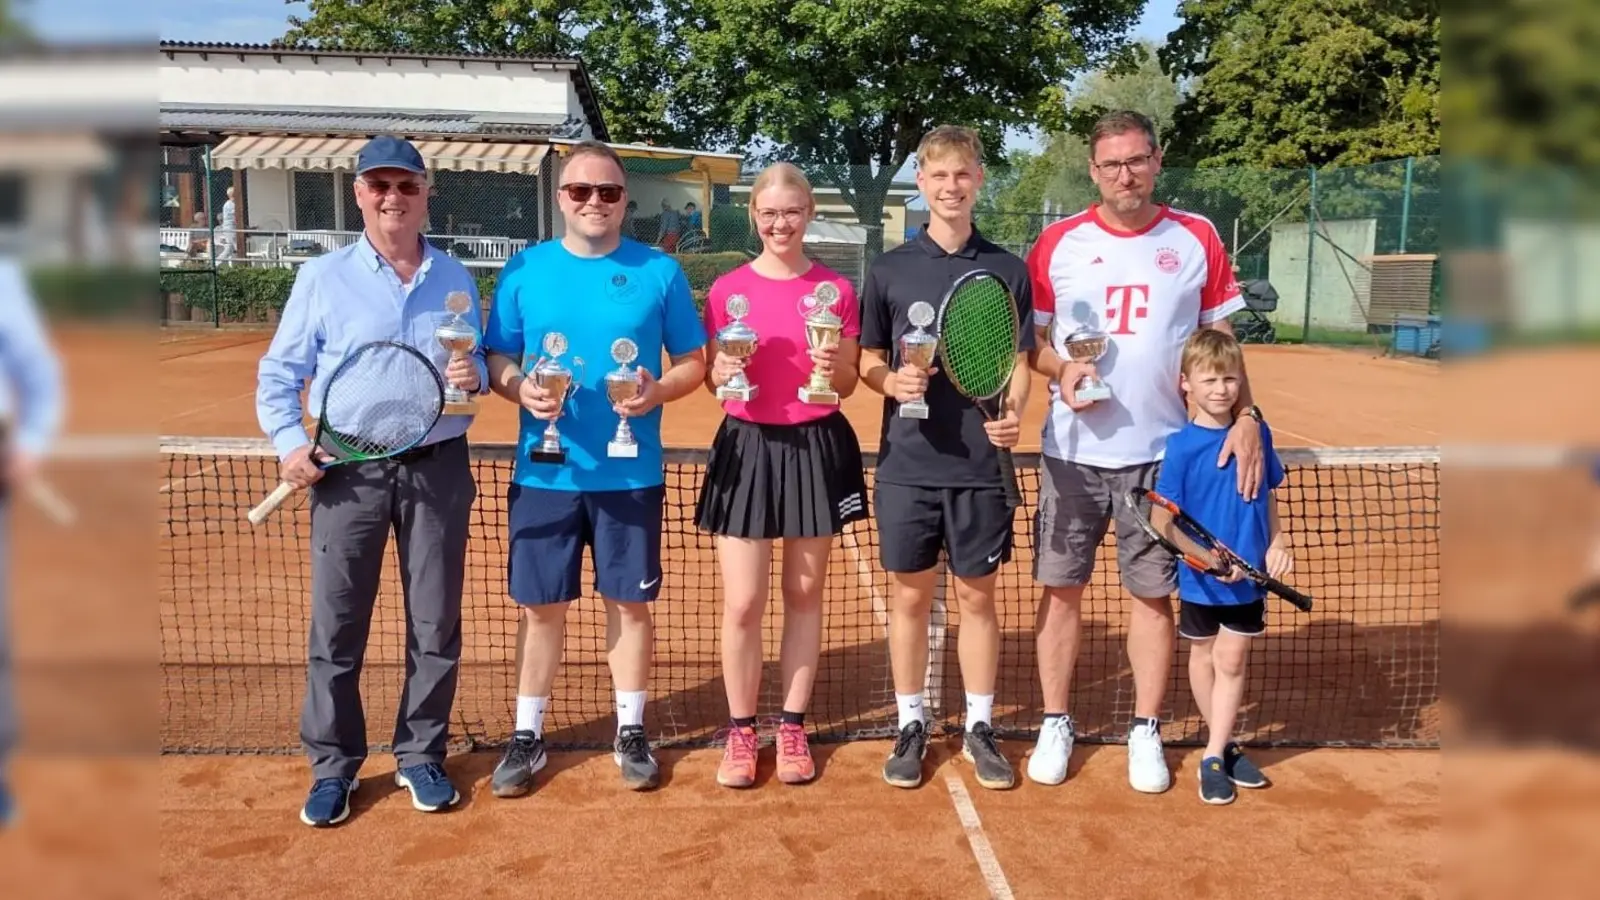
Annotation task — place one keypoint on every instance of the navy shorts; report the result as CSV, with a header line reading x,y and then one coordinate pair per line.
x,y
550,529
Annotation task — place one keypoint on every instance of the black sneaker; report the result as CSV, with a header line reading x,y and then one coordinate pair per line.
x,y
1241,771
904,767
632,754
1215,786
524,756
979,748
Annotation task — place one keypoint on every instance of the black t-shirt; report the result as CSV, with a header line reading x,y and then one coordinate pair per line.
x,y
949,448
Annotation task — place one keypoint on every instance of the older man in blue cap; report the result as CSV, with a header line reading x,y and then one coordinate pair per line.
x,y
389,285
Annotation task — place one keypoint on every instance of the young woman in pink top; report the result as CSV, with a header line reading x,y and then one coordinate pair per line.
x,y
781,468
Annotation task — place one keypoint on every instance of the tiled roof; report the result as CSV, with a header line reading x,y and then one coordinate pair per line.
x,y
352,121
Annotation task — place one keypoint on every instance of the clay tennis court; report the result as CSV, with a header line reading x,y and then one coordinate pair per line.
x,y
233,630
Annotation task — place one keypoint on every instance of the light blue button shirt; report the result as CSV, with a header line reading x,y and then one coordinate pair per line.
x,y
31,397
341,301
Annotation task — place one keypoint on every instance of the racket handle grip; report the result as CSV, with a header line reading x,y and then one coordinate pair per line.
x,y
1008,479
274,500
1301,601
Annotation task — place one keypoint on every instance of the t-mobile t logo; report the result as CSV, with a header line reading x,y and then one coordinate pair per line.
x,y
1124,303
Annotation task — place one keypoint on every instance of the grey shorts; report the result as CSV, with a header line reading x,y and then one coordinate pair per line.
x,y
1076,505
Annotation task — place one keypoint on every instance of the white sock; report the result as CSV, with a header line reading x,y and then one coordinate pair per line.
x,y
530,714
979,708
910,708
630,709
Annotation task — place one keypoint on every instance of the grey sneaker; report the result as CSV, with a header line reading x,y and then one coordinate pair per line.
x,y
524,756
1241,771
904,766
632,754
979,748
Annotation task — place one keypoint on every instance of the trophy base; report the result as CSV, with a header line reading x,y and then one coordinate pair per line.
x,y
542,455
622,451
915,409
467,407
742,394
818,397
1097,392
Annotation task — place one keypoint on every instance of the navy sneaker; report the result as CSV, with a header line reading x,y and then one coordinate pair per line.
x,y
430,787
1215,786
1240,769
329,802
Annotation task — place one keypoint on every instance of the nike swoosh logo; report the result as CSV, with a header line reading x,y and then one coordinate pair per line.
x,y
647,585
996,556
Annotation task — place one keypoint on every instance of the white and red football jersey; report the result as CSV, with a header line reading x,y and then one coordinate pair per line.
x,y
1147,291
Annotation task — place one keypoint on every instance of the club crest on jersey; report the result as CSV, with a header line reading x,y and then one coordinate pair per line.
x,y
1167,260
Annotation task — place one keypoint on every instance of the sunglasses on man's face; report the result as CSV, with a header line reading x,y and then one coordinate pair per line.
x,y
409,188
580,193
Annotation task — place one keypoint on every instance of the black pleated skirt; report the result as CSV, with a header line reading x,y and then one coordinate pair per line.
x,y
782,481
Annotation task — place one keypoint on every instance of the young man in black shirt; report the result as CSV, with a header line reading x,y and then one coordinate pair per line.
x,y
938,478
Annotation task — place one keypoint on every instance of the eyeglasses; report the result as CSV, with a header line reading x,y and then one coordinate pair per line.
x,y
408,188
580,193
769,216
1112,168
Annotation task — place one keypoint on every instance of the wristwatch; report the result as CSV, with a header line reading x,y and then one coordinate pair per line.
x,y
1253,412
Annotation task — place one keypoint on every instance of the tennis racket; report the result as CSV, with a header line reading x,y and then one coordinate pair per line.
x,y
38,488
978,333
1199,548
380,401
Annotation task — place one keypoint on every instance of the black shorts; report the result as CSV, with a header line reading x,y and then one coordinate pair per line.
x,y
973,526
1200,621
766,482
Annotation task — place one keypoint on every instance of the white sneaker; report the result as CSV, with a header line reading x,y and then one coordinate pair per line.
x,y
1048,764
1147,765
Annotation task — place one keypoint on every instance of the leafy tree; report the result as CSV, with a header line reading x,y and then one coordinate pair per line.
x,y
847,88
619,41
1295,83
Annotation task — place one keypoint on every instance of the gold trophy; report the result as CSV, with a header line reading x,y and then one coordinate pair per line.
x,y
917,349
823,327
738,340
622,385
549,374
458,336
1087,346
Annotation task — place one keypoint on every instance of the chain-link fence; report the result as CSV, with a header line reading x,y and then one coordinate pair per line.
x,y
1350,255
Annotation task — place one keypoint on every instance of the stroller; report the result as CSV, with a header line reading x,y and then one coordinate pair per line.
x,y
1259,297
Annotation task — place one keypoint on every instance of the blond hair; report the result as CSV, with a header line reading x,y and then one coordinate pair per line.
x,y
1212,352
594,148
948,139
781,174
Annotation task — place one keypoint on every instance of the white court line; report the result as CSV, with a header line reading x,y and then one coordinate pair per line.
x,y
993,878
880,609
167,488
191,411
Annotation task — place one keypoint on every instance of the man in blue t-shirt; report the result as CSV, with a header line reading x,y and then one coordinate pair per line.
x,y
1218,616
592,287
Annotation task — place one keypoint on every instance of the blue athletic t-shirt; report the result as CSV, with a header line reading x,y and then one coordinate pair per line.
x,y
1190,478
635,292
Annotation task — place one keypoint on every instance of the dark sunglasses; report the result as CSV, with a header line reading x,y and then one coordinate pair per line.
x,y
580,193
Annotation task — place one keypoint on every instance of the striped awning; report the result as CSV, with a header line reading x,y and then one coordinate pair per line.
x,y
327,154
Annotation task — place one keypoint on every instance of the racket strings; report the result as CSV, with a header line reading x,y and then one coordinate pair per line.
x,y
382,401
979,337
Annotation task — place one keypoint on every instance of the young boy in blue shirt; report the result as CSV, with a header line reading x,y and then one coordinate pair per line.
x,y
1219,616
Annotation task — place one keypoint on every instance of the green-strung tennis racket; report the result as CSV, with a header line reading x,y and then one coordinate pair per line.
x,y
978,334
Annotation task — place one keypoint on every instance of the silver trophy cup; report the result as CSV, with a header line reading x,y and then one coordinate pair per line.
x,y
549,374
1087,346
917,349
738,340
458,336
823,327
622,385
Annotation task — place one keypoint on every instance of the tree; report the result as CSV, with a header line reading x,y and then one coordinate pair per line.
x,y
1296,83
847,88
619,41
13,32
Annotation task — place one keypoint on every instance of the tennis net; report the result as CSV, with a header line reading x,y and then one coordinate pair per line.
x,y
1362,670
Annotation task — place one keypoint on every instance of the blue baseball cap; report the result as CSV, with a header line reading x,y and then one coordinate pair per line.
x,y
389,152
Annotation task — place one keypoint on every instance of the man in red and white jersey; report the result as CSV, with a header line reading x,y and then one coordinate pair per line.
x,y
1146,276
